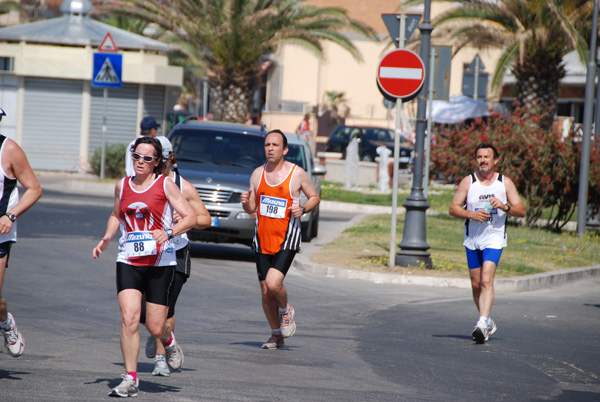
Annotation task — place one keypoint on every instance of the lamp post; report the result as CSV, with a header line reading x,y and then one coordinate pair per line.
x,y
413,248
588,107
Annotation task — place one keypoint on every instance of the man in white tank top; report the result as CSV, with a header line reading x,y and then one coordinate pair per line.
x,y
484,199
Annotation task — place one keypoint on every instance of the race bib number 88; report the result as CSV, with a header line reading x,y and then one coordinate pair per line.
x,y
139,244
272,207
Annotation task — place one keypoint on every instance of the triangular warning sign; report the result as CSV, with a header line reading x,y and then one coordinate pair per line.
x,y
106,74
108,44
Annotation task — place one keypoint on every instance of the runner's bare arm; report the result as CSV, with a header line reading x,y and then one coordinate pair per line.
x,y
19,165
517,208
305,186
182,207
202,214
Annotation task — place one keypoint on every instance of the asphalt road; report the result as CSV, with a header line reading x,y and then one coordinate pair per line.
x,y
356,341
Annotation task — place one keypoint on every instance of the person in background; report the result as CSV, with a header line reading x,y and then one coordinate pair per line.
x,y
304,128
155,350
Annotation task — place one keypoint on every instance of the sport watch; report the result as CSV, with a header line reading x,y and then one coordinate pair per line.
x,y
169,233
12,217
303,210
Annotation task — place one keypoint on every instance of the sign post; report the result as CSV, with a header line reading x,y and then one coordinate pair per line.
x,y
400,75
106,73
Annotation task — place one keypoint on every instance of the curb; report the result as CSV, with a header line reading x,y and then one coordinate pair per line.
x,y
525,283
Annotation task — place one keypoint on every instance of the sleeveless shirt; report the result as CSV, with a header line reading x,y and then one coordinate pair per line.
x,y
276,228
492,233
182,240
141,213
9,196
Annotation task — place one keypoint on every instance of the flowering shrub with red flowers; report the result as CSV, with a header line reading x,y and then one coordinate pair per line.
x,y
543,165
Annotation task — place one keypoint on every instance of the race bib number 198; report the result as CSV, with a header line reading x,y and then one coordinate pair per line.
x,y
139,244
272,207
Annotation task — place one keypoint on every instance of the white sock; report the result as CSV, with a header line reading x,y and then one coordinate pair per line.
x,y
6,325
276,331
489,321
483,319
284,310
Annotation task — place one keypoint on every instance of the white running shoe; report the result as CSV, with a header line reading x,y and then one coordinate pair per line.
x,y
161,368
126,388
174,355
13,340
481,333
151,347
286,321
491,328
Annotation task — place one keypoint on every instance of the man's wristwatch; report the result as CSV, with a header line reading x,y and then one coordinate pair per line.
x,y
507,209
12,217
169,233
303,210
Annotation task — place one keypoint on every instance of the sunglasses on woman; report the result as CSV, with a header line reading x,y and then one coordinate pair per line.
x,y
146,158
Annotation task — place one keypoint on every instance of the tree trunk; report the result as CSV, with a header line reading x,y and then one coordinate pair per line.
x,y
229,103
538,77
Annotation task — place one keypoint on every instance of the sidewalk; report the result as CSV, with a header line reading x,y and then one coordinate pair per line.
x,y
89,185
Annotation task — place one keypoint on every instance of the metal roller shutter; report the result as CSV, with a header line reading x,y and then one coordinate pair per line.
x,y
121,116
8,101
52,122
154,100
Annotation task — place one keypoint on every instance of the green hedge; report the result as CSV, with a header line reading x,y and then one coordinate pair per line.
x,y
114,166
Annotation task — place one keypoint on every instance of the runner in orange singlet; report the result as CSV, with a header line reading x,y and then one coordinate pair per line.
x,y
274,196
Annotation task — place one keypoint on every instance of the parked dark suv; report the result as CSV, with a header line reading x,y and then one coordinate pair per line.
x,y
369,138
218,159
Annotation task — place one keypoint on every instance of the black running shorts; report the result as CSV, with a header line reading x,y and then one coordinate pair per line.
x,y
154,282
5,250
280,261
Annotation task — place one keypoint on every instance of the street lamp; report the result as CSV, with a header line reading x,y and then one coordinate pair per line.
x,y
413,248
588,107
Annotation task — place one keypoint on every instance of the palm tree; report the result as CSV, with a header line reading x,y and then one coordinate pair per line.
x,y
231,40
533,35
127,24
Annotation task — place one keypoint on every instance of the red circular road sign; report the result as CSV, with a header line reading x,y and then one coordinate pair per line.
x,y
401,73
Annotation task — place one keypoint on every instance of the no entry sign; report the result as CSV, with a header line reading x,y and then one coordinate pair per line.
x,y
401,73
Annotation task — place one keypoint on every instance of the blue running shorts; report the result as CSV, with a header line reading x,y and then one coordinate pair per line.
x,y
475,258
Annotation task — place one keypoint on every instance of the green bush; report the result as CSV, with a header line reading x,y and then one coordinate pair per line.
x,y
114,165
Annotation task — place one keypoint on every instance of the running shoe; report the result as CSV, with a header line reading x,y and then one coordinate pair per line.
x,y
481,333
151,347
13,340
274,342
288,326
491,327
174,355
126,388
161,368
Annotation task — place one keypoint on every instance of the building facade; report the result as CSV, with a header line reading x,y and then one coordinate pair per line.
x,y
54,112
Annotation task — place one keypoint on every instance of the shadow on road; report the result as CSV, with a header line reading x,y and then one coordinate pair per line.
x,y
222,252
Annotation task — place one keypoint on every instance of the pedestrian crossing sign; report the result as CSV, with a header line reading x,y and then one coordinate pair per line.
x,y
107,70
